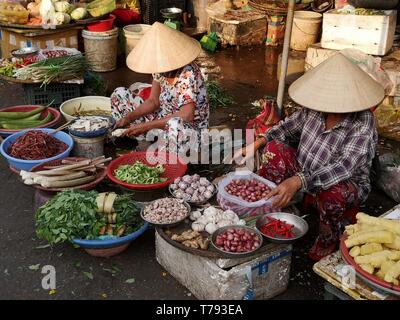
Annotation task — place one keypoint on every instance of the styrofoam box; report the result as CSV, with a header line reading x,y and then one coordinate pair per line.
x,y
258,277
372,34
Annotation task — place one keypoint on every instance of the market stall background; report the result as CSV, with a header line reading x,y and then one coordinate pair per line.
x,y
113,279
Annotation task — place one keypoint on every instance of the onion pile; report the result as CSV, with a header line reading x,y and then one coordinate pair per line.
x,y
192,188
238,240
248,190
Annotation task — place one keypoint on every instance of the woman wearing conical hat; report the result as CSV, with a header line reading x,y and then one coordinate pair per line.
x,y
178,95
325,149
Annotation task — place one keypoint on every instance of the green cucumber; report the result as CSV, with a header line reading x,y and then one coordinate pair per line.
x,y
20,115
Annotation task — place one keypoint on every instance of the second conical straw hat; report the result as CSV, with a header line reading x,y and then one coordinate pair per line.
x,y
162,49
337,86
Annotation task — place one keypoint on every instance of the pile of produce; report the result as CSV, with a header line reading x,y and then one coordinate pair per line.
x,y
90,124
374,244
238,240
139,173
7,66
70,174
192,188
360,11
36,145
78,112
52,12
53,69
76,214
212,219
248,190
191,239
165,211
24,120
276,228
218,96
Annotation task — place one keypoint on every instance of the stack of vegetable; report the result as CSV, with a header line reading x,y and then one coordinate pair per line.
x,y
36,145
13,13
76,214
191,239
192,188
54,69
70,174
24,120
212,219
374,244
165,211
139,173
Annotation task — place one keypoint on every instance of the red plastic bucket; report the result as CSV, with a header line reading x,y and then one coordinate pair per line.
x,y
102,25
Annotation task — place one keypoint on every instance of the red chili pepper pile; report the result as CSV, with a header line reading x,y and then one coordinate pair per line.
x,y
48,54
276,228
36,145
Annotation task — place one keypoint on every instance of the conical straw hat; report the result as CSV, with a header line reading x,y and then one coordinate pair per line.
x,y
162,49
337,86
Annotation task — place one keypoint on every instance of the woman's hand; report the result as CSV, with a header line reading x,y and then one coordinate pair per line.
x,y
248,152
123,122
136,130
285,192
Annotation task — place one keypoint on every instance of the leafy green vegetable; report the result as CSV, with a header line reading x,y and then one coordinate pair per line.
x,y
139,173
70,214
217,96
88,275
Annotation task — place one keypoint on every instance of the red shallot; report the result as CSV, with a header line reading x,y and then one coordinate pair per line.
x,y
238,240
249,190
36,145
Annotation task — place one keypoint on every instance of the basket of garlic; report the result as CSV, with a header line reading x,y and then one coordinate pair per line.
x,y
194,189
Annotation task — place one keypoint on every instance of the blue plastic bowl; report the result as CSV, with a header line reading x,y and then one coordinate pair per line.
x,y
105,244
27,165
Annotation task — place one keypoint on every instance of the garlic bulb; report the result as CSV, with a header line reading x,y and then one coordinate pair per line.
x,y
197,226
195,215
224,223
211,228
241,222
210,211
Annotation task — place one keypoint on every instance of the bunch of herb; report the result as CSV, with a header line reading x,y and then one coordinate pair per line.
x,y
217,96
69,215
128,214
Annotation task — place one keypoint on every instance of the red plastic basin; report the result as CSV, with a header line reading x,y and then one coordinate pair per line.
x,y
102,25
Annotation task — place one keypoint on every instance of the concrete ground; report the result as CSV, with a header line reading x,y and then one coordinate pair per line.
x,y
247,75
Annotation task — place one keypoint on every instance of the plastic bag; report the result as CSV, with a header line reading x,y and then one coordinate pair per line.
x,y
266,119
240,207
370,65
388,121
389,175
276,30
13,13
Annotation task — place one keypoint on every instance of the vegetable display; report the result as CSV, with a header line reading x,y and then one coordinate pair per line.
x,y
374,243
165,211
276,228
139,173
36,145
76,214
191,239
192,188
248,190
68,175
53,69
238,240
212,219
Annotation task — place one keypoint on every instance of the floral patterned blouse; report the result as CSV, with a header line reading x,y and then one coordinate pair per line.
x,y
188,87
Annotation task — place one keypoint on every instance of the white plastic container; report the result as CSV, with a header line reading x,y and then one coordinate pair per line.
x,y
306,29
133,33
240,207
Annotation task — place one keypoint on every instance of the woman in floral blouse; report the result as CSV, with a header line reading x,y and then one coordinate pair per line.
x,y
178,99
324,150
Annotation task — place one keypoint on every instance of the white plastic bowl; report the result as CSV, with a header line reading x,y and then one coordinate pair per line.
x,y
68,108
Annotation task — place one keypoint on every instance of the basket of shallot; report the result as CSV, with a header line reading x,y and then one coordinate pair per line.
x,y
244,192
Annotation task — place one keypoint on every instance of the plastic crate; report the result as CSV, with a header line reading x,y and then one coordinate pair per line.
x,y
150,11
57,92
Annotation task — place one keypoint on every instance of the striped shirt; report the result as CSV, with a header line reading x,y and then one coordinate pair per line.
x,y
327,157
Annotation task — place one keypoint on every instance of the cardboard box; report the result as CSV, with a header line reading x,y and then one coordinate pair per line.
x,y
258,277
372,34
11,39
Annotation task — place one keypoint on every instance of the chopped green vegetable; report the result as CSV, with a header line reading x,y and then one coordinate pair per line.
x,y
217,96
139,173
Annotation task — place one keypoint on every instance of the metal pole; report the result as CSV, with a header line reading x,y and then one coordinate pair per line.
x,y
285,55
